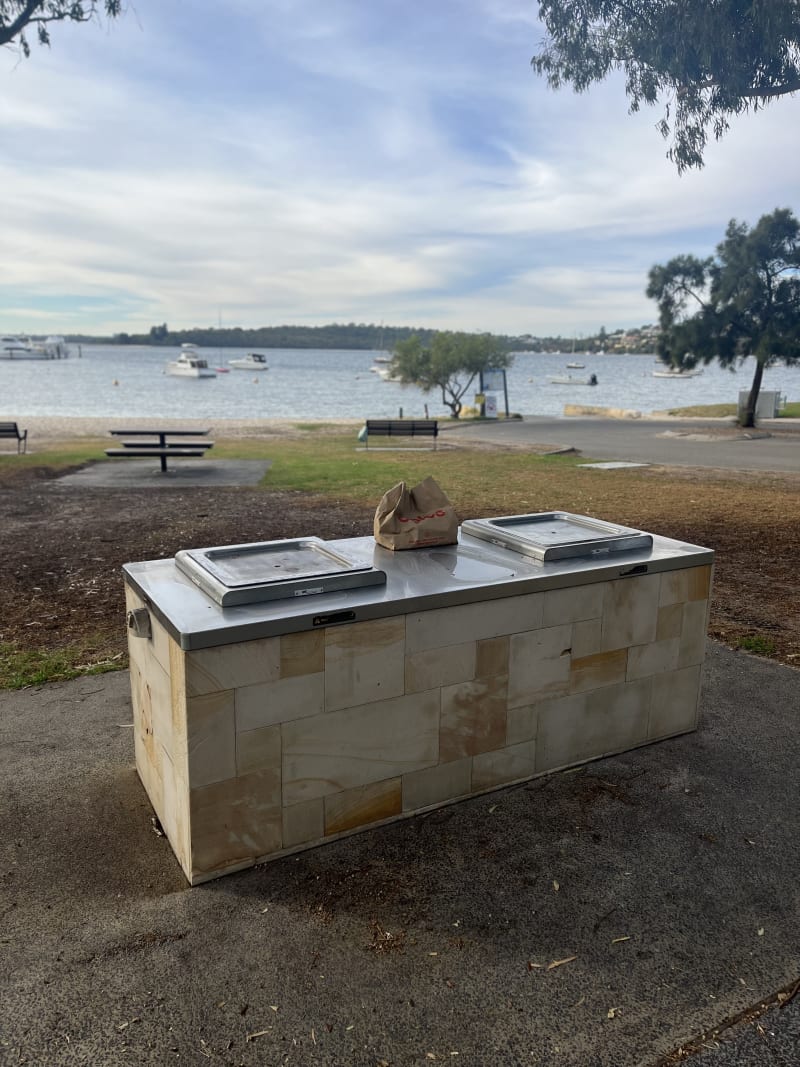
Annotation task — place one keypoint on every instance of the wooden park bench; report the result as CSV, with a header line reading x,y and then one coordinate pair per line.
x,y
401,428
10,429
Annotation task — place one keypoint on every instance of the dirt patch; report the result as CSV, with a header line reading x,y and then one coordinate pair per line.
x,y
62,549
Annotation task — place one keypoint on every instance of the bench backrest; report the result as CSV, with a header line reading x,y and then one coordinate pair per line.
x,y
403,426
9,429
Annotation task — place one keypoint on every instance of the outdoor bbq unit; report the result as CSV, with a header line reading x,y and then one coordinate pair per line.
x,y
287,693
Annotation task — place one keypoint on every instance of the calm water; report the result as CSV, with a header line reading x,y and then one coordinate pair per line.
x,y
130,382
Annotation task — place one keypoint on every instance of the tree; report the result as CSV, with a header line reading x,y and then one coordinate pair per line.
x,y
744,300
450,362
17,16
705,62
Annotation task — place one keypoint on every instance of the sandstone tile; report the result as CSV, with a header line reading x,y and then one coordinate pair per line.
x,y
473,622
304,822
602,669
258,750
211,735
355,746
589,725
302,653
510,764
174,814
522,723
473,718
693,633
587,638
279,701
655,658
691,583
435,785
491,657
674,707
630,611
363,805
670,621
574,604
364,662
539,664
230,666
234,821
440,666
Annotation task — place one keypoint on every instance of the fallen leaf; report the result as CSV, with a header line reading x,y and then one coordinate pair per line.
x,y
556,886
616,940
492,808
612,1013
560,963
761,931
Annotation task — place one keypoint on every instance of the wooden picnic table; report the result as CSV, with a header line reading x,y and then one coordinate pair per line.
x,y
163,447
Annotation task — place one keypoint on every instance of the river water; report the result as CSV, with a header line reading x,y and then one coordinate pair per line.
x,y
129,382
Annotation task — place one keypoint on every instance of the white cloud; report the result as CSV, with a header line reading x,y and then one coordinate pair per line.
x,y
336,167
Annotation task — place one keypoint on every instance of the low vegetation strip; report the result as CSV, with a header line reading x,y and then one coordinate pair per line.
x,y
61,597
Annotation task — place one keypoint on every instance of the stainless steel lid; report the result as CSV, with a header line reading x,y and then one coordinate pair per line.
x,y
553,535
273,570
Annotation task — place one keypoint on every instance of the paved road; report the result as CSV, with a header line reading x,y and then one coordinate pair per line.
x,y
672,442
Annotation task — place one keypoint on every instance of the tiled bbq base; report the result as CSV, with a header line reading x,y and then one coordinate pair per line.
x,y
250,751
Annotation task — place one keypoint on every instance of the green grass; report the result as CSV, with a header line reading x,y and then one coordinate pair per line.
x,y
762,646
20,668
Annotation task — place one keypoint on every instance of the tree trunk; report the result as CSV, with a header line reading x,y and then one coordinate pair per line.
x,y
748,416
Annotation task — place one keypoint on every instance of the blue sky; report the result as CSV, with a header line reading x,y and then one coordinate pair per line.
x,y
262,162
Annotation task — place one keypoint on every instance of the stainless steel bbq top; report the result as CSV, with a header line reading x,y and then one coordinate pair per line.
x,y
273,570
473,571
554,535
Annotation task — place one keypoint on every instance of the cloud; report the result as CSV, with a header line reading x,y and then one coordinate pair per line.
x,y
395,162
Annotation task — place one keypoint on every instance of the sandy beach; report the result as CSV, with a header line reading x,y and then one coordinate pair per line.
x,y
49,429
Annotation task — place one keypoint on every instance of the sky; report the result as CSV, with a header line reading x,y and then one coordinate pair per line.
x,y
267,162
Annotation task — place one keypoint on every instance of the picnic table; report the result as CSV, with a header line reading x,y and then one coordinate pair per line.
x,y
162,446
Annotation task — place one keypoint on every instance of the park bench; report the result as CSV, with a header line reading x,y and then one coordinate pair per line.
x,y
401,428
11,430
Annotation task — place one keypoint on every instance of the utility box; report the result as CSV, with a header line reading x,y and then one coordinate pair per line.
x,y
767,406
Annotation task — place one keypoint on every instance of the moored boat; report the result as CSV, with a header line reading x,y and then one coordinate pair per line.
x,y
677,372
190,364
12,347
567,379
252,361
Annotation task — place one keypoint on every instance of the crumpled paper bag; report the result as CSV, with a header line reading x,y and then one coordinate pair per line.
x,y
415,518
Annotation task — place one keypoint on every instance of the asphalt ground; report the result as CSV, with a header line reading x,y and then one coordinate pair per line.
x,y
773,446
602,917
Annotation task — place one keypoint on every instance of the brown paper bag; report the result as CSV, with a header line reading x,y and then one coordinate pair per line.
x,y
415,518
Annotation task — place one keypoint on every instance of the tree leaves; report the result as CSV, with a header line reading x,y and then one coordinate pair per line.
x,y
704,62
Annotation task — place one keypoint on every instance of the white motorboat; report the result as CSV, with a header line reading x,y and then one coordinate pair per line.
x,y
252,361
386,374
676,372
574,366
567,379
190,365
22,348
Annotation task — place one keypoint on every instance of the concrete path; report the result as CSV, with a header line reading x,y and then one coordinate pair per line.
x,y
180,474
673,442
596,918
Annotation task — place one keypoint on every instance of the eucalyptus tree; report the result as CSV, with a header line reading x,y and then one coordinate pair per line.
x,y
742,301
703,62
451,362
18,18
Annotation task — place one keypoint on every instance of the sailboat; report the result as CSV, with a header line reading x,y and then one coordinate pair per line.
x,y
381,357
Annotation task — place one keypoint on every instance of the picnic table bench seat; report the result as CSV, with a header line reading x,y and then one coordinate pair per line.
x,y
401,428
12,430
